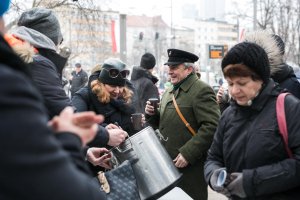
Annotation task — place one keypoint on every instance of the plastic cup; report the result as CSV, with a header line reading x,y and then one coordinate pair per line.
x,y
154,102
221,178
137,121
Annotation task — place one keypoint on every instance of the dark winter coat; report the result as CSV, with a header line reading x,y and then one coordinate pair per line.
x,y
285,76
46,73
145,88
46,69
79,80
197,102
33,164
248,140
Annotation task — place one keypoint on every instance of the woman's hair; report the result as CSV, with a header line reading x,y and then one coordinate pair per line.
x,y
104,96
240,70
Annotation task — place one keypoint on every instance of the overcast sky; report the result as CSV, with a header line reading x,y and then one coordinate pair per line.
x,y
155,7
163,7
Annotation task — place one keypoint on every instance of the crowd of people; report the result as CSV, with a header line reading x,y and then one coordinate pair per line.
x,y
53,144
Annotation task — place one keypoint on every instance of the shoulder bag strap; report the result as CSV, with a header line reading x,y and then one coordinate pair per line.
x,y
281,120
182,117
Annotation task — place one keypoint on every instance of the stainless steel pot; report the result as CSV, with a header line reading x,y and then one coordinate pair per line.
x,y
154,169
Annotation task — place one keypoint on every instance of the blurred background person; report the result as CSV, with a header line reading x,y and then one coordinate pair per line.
x,y
41,29
281,72
78,79
144,82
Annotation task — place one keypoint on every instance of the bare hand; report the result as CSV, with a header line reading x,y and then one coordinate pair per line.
x,y
180,161
149,110
86,119
112,126
116,136
99,157
220,94
143,120
82,124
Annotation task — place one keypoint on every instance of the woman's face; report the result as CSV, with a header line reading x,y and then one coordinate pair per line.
x,y
113,90
243,89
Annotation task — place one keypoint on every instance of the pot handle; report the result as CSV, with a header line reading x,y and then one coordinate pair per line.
x,y
160,136
127,147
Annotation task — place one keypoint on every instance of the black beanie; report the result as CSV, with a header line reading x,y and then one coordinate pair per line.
x,y
44,21
148,61
251,55
112,63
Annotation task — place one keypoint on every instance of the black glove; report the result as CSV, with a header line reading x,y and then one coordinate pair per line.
x,y
213,183
235,187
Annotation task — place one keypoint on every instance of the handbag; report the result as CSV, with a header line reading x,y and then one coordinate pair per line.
x,y
192,131
281,120
119,183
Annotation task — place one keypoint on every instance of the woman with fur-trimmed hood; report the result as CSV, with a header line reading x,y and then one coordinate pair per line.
x,y
40,28
281,72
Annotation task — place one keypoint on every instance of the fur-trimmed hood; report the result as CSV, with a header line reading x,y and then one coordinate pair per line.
x,y
21,48
269,44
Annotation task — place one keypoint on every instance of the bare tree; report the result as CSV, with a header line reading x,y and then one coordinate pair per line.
x,y
85,25
283,18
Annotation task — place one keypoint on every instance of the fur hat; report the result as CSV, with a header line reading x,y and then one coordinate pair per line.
x,y
177,56
148,61
44,21
4,5
251,55
105,75
270,44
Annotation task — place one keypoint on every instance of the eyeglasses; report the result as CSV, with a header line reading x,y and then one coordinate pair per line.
x,y
114,73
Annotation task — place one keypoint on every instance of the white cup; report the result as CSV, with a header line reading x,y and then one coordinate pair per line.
x,y
221,178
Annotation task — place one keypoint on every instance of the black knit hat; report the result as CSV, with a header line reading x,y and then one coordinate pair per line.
x,y
251,55
148,61
105,75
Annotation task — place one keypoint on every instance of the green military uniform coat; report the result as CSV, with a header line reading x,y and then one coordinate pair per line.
x,y
197,102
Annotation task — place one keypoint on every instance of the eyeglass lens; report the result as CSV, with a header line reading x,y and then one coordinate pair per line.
x,y
114,73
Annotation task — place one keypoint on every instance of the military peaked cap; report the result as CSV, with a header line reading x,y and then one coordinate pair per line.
x,y
177,56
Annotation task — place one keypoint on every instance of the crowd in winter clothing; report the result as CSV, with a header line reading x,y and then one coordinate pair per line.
x,y
53,144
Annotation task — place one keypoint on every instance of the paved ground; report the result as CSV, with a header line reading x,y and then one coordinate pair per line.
x,y
215,196
178,194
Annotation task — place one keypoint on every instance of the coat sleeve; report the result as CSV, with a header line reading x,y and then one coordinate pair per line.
x,y
34,165
49,83
207,113
80,100
284,175
84,79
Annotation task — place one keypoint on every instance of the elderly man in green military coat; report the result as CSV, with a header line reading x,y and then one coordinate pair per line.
x,y
197,102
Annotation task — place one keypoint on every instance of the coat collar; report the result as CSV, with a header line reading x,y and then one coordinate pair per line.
x,y
187,84
139,72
